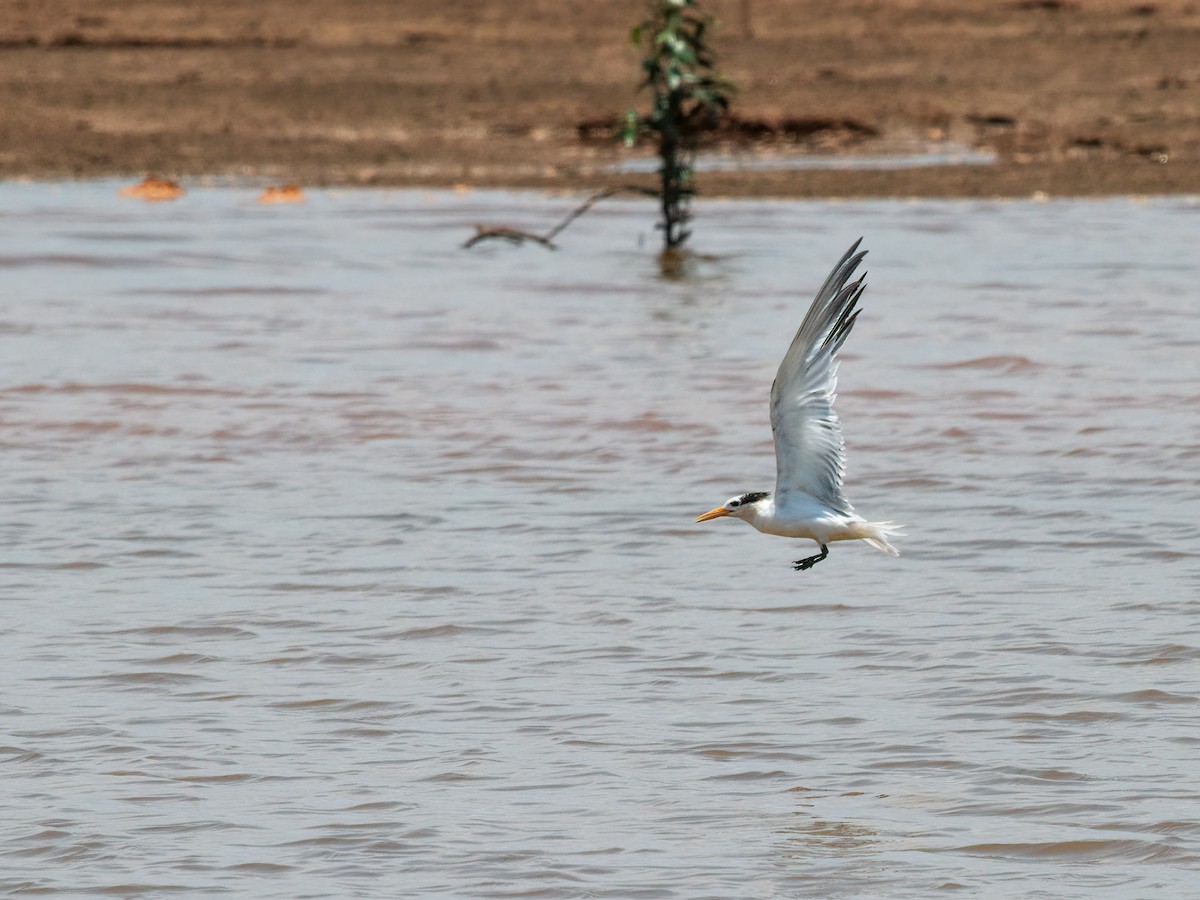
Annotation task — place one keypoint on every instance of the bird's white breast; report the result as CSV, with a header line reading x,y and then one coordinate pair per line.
x,y
802,516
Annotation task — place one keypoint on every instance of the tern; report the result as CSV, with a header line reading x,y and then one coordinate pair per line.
x,y
810,456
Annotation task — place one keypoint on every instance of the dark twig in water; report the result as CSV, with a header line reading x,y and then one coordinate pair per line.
x,y
518,236
503,233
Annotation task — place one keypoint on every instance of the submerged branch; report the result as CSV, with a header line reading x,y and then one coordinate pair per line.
x,y
518,236
504,233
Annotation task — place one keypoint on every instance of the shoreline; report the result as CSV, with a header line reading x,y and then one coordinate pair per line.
x,y
974,181
250,190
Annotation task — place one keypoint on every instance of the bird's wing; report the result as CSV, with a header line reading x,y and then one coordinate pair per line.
x,y
809,453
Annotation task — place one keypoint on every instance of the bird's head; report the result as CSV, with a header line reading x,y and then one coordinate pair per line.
x,y
743,506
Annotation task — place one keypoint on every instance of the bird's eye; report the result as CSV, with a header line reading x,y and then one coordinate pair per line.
x,y
735,502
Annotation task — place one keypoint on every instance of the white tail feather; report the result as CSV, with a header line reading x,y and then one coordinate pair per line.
x,y
877,535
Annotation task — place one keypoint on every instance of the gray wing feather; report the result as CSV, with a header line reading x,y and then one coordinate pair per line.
x,y
809,453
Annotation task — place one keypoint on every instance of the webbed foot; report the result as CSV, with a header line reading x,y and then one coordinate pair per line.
x,y
809,561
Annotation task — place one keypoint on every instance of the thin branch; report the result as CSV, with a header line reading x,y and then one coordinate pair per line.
x,y
596,198
504,233
517,236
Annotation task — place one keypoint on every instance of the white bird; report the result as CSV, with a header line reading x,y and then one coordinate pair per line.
x,y
810,456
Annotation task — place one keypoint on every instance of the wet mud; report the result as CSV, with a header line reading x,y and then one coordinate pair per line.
x,y
1071,98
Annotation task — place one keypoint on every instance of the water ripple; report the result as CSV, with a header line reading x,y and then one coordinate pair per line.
x,y
340,562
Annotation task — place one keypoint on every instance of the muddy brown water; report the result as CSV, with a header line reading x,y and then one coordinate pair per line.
x,y
341,562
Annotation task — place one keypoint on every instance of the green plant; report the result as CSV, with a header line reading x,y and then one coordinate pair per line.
x,y
687,96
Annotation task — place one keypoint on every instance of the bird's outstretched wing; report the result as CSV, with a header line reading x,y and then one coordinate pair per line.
x,y
809,453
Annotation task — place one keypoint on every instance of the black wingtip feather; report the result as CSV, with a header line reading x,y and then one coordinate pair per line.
x,y
849,295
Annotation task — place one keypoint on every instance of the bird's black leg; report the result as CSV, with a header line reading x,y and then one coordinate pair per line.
x,y
809,561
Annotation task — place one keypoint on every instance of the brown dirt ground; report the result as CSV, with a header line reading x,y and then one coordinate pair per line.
x,y
1075,97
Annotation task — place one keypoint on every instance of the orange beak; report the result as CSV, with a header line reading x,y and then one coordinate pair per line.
x,y
713,514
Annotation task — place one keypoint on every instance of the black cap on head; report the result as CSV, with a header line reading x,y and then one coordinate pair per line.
x,y
753,497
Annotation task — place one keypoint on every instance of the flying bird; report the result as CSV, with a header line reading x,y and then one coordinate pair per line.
x,y
810,456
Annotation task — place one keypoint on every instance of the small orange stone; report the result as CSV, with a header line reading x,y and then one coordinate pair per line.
x,y
288,193
153,189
